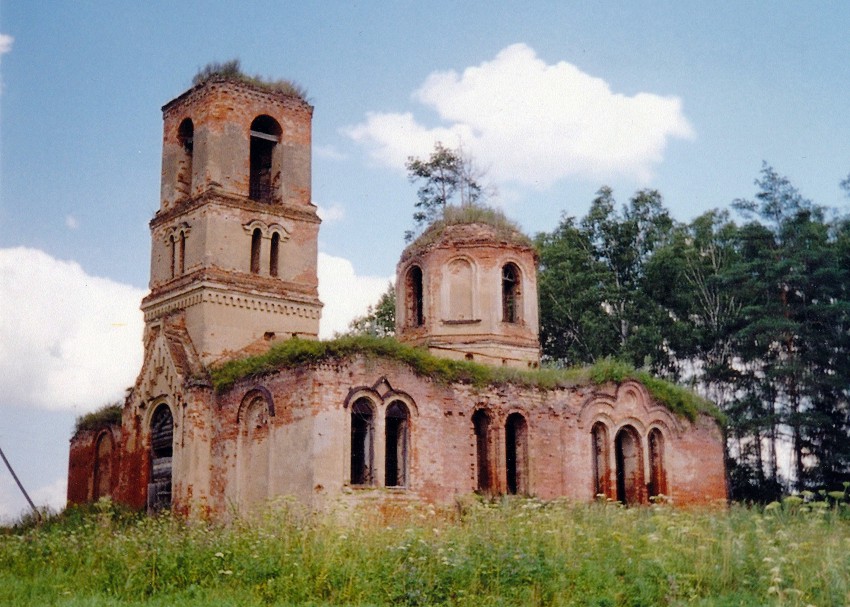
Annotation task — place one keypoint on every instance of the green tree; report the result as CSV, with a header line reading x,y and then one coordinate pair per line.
x,y
379,319
446,177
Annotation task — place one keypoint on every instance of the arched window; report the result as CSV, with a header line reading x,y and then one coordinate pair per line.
x,y
414,297
186,137
256,240
162,445
511,294
182,252
265,135
274,254
483,451
516,454
362,439
630,483
601,459
397,441
102,467
460,290
254,451
657,473
173,242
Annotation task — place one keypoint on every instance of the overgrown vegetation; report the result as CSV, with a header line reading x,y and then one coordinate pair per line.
x,y
295,352
105,416
232,70
476,553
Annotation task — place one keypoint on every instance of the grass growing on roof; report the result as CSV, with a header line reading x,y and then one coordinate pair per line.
x,y
232,70
296,352
105,416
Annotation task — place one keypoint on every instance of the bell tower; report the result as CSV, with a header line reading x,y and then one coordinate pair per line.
x,y
234,243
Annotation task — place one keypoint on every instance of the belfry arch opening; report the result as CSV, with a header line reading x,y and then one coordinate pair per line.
x,y
265,136
362,442
186,139
414,297
274,254
511,293
256,242
483,452
161,452
630,479
397,445
601,458
516,454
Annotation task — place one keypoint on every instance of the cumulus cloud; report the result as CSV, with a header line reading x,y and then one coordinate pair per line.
x,y
532,122
345,294
5,43
328,152
68,340
334,212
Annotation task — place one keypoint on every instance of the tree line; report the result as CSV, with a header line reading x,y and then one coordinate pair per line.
x,y
753,314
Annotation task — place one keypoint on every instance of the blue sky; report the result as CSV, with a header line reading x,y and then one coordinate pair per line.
x,y
554,100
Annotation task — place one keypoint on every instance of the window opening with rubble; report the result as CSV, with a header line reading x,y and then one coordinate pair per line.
x,y
362,442
397,427
516,454
265,136
161,451
629,456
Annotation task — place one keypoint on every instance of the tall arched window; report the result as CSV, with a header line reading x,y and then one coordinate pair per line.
x,y
256,241
397,445
657,473
362,441
162,445
483,452
630,483
516,454
601,459
274,254
102,467
182,252
265,135
173,242
186,137
511,294
414,297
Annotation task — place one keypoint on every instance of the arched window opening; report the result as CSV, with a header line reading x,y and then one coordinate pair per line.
x,y
414,297
102,485
516,454
630,483
162,441
483,451
254,452
182,253
657,473
256,240
274,254
186,138
511,300
460,290
265,135
398,438
173,243
362,438
601,459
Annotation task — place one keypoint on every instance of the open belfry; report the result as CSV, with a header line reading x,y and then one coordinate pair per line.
x,y
234,277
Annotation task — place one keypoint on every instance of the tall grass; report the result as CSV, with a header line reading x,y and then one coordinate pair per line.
x,y
509,552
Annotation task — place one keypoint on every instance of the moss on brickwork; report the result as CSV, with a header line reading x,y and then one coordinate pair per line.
x,y
108,415
297,352
232,70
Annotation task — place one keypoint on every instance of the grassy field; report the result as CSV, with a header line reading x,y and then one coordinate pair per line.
x,y
510,552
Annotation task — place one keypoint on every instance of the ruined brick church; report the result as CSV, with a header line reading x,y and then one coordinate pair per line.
x,y
233,271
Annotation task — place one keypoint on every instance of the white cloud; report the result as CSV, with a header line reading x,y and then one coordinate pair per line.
x,y
71,222
345,294
532,122
5,43
68,340
328,152
335,212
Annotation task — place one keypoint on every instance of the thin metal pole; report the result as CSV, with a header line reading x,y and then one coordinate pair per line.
x,y
20,486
